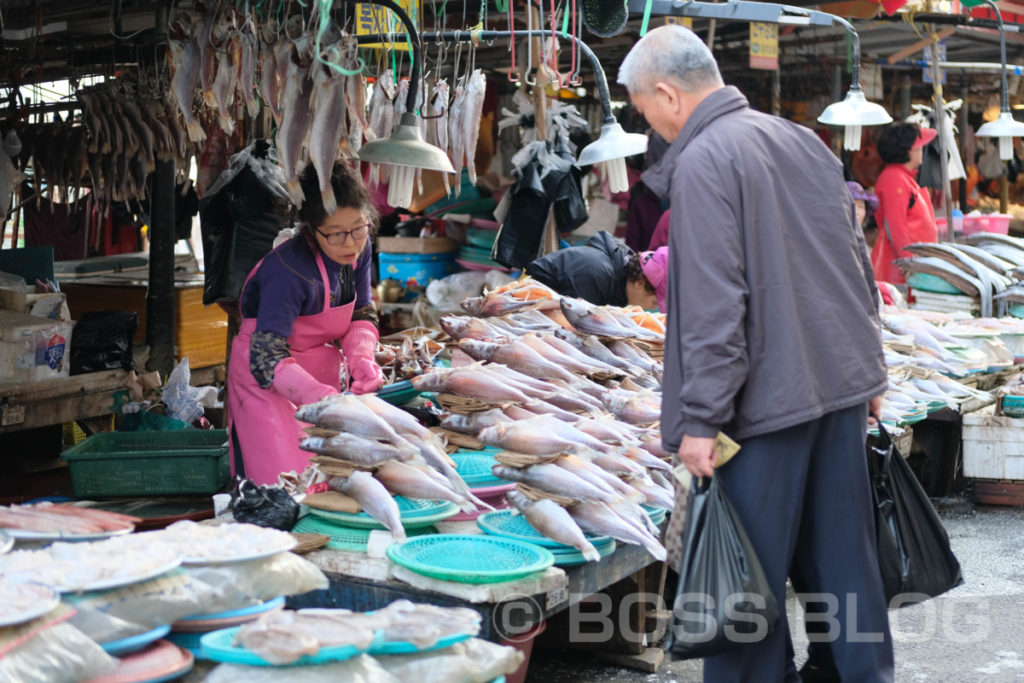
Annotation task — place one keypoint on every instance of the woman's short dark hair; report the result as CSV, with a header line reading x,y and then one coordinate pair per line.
x,y
349,192
895,140
635,273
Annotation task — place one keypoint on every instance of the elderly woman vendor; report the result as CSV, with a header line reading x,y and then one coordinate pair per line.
x,y
306,312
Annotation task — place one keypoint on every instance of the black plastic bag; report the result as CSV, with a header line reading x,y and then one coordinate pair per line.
x,y
723,599
103,341
267,506
519,239
914,555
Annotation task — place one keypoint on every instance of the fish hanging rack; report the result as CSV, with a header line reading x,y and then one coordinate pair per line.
x,y
477,36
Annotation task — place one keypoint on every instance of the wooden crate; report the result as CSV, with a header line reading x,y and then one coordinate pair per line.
x,y
993,446
200,332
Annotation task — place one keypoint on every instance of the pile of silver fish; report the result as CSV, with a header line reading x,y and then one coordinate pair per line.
x,y
314,88
586,409
124,132
394,454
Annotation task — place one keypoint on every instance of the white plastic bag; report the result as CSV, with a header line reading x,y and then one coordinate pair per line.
x,y
240,584
181,399
471,661
59,654
125,612
446,293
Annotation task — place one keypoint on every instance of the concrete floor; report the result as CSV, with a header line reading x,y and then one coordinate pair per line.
x,y
973,633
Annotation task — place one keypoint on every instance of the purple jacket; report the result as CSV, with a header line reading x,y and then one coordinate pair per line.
x,y
771,307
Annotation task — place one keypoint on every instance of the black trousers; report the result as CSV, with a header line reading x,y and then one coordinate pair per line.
x,y
804,497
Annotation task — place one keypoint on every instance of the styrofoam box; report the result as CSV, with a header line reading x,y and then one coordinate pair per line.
x,y
993,446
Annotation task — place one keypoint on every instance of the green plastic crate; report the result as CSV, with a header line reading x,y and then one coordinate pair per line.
x,y
189,461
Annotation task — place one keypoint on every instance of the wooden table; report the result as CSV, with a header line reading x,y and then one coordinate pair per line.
x,y
27,405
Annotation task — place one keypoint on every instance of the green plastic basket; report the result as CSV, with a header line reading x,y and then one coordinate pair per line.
x,y
927,282
189,461
415,513
471,558
475,467
508,524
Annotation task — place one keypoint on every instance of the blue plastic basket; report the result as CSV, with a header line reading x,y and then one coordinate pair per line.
x,y
419,267
188,641
124,646
574,558
471,558
509,524
475,467
398,393
219,646
415,514
656,514
242,612
344,537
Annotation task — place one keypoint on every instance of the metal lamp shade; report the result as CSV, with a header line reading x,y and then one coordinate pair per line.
x,y
855,110
613,143
405,147
1005,127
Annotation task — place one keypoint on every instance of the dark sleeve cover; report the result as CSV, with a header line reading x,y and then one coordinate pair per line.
x,y
709,296
266,350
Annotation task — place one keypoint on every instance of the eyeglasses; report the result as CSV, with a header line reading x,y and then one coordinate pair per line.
x,y
336,238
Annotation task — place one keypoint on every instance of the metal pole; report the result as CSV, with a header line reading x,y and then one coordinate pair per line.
x,y
940,124
776,93
160,295
965,92
905,92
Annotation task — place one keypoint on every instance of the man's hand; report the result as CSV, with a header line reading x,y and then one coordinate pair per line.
x,y
874,408
698,455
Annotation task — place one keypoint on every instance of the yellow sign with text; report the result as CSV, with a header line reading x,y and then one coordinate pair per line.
x,y
372,19
764,46
682,21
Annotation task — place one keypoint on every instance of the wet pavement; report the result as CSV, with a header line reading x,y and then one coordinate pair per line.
x,y
972,633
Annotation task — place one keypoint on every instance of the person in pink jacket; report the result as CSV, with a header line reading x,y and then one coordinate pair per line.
x,y
307,312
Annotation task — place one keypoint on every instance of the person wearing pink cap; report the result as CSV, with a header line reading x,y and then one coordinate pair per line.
x,y
904,214
605,272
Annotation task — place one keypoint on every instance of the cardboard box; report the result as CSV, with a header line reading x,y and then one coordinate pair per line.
x,y
416,245
33,349
52,305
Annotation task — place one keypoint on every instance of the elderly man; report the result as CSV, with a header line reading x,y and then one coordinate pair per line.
x,y
773,339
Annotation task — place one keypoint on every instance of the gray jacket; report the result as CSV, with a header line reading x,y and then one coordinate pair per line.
x,y
771,301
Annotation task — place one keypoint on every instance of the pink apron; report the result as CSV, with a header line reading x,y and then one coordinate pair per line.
x,y
262,420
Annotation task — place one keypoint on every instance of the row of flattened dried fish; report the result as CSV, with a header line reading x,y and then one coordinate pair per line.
x,y
112,152
320,106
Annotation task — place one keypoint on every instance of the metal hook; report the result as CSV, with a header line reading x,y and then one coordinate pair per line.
x,y
529,46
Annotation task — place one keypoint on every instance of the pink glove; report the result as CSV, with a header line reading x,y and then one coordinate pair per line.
x,y
359,343
293,382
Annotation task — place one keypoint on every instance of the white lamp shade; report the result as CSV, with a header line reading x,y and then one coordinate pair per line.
x,y
1005,126
855,110
405,147
613,143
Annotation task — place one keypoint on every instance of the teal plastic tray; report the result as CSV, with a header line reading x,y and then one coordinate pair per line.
x,y
656,514
398,393
471,558
131,644
508,524
415,514
243,612
475,467
343,537
400,647
219,647
575,558
927,282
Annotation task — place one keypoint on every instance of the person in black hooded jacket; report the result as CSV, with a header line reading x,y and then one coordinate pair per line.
x,y
604,272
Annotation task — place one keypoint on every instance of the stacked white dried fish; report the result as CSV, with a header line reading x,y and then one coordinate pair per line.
x,y
374,450
585,454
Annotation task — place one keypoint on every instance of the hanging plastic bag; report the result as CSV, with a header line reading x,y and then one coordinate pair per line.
x,y
180,397
723,599
913,547
103,341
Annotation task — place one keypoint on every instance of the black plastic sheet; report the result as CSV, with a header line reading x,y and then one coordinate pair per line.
x,y
723,600
266,506
914,555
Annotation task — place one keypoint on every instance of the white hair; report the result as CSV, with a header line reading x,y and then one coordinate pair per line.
x,y
672,54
